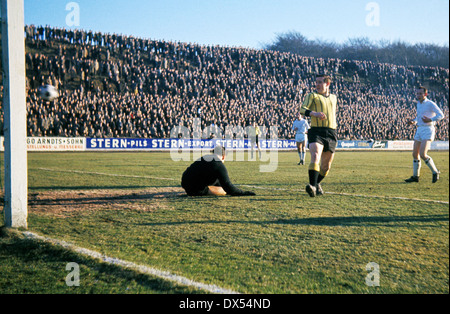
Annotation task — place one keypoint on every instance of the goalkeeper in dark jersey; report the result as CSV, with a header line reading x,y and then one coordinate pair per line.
x,y
209,176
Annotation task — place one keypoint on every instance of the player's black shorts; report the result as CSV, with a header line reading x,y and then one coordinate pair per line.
x,y
191,189
325,136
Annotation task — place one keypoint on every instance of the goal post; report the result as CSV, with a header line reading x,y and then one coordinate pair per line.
x,y
14,106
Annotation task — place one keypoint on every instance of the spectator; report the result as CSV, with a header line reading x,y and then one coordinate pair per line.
x,y
122,86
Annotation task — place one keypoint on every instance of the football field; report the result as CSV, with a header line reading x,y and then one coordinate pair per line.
x,y
370,233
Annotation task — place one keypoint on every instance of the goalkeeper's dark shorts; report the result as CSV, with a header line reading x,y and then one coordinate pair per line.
x,y
191,187
325,136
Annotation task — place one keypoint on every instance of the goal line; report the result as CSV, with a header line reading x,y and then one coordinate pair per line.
x,y
130,265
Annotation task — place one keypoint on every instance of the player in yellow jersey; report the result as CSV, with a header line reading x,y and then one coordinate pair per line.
x,y
253,135
322,136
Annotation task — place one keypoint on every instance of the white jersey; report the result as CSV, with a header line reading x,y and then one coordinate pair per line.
x,y
301,125
429,109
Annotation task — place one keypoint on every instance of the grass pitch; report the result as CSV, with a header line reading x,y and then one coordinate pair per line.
x,y
131,206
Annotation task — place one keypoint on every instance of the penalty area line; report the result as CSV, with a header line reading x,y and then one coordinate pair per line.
x,y
130,265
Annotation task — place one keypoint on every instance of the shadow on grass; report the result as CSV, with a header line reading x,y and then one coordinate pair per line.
x,y
392,221
52,260
97,187
86,198
388,221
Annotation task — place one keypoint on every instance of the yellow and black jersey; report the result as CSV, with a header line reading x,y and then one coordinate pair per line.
x,y
319,103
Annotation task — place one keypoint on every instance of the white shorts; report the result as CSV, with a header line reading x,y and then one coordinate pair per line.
x,y
300,137
425,133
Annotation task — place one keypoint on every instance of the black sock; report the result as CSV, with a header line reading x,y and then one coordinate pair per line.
x,y
320,178
313,177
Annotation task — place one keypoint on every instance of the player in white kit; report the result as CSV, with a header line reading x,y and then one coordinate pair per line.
x,y
301,127
427,115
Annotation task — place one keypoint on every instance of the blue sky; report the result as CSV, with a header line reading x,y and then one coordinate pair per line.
x,y
251,23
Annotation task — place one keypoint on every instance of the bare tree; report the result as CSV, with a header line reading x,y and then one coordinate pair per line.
x,y
397,52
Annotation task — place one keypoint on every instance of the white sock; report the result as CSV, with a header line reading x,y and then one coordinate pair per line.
x,y
416,167
303,156
430,164
300,155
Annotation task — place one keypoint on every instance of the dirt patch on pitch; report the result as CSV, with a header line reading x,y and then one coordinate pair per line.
x,y
69,201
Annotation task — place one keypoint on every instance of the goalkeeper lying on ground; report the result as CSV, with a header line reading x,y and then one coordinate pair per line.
x,y
209,176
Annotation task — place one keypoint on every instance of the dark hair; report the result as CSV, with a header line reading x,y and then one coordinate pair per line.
x,y
425,90
326,77
219,150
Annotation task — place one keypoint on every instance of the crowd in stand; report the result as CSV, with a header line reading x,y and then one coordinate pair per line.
x,y
122,86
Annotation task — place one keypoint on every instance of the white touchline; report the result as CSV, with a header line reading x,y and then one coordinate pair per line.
x,y
390,197
354,195
140,268
252,186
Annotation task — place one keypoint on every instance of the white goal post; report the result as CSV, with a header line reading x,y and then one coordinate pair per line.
x,y
14,106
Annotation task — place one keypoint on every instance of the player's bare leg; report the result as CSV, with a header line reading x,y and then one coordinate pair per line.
x,y
315,150
325,166
303,152
216,190
424,147
300,152
416,162
420,151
